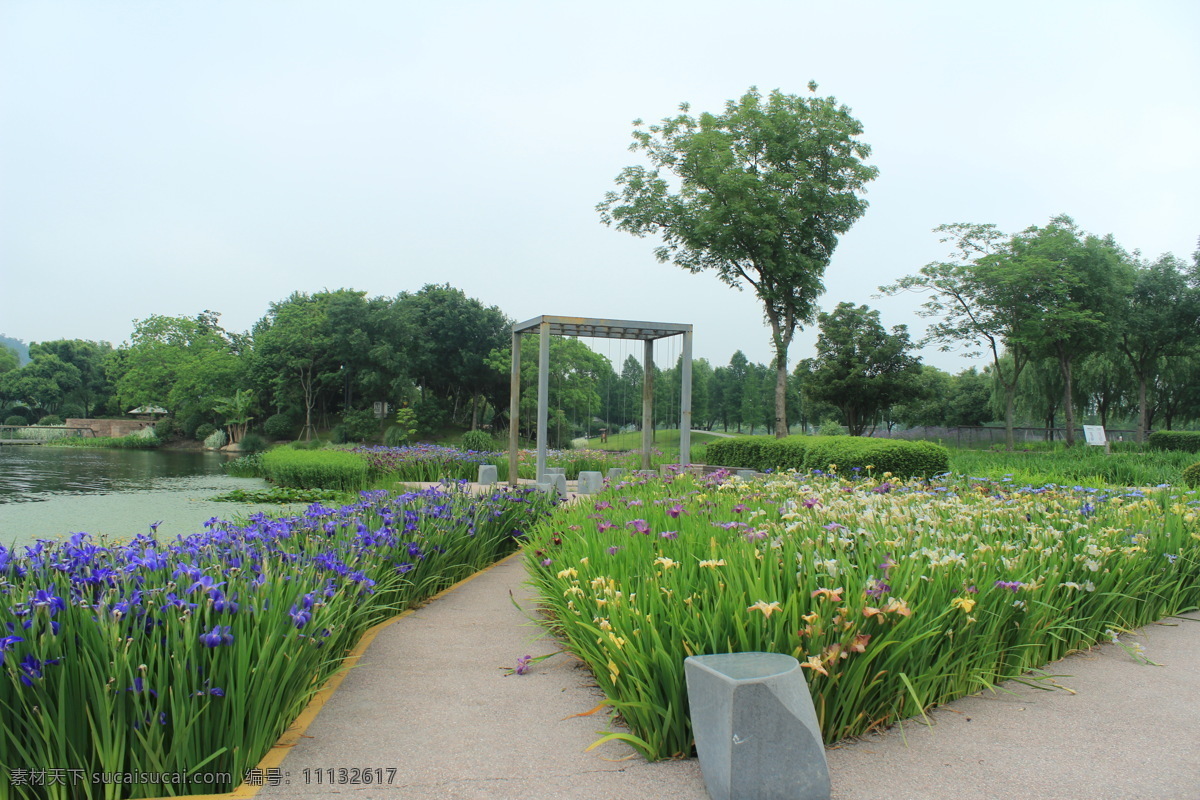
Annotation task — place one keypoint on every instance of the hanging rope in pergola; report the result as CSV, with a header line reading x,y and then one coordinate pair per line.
x,y
647,332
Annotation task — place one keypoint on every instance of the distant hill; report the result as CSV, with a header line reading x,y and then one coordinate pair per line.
x,y
16,344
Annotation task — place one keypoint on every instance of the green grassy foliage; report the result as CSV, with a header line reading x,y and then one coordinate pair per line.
x,y
847,453
664,440
894,596
315,469
131,442
1089,466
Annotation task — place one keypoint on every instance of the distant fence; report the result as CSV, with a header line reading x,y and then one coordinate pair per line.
x,y
986,437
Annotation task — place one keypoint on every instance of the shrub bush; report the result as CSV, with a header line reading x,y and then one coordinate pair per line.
x,y
15,419
1187,441
315,469
216,440
50,419
72,411
252,443
430,414
191,426
279,426
359,426
830,428
1191,476
167,428
395,436
479,441
203,431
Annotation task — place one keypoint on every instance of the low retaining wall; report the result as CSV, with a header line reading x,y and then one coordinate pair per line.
x,y
111,427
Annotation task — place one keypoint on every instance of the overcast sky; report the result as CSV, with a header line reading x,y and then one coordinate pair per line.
x,y
166,157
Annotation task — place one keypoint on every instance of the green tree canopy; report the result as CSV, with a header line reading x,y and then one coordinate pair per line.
x,y
861,368
1078,286
184,364
9,359
1162,320
43,384
763,192
89,358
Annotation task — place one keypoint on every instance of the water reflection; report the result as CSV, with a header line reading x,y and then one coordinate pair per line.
x,y
52,492
33,473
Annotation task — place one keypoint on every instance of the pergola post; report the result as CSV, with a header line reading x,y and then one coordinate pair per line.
x,y
514,409
543,406
647,403
685,402
646,332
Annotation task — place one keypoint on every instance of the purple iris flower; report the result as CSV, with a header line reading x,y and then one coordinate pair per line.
x,y
300,617
6,644
44,599
639,525
205,583
219,635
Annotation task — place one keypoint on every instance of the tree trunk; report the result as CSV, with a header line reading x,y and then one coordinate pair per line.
x,y
1064,364
781,341
1010,401
1143,416
781,426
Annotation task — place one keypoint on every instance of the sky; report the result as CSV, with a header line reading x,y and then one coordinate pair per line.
x,y
170,157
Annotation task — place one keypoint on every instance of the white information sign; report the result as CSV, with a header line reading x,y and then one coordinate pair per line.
x,y
1094,434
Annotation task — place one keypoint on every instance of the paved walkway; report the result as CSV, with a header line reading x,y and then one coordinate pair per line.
x,y
430,705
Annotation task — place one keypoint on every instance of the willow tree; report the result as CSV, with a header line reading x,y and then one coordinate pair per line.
x,y
759,194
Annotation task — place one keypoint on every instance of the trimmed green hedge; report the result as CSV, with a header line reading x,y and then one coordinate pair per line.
x,y
740,451
806,453
1186,441
315,469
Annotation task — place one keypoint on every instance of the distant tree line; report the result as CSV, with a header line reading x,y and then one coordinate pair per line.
x,y
1075,328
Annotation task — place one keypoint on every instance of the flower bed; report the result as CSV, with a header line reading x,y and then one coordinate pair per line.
x,y
894,596
194,655
429,462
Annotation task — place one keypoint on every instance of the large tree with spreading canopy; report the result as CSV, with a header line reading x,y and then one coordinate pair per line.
x,y
759,194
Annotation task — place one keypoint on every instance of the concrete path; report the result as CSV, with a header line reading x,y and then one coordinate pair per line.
x,y
431,705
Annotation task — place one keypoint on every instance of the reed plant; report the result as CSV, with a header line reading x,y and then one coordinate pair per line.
x,y
894,595
133,441
247,466
193,656
315,469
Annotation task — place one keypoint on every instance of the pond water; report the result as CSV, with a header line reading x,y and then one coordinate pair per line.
x,y
52,492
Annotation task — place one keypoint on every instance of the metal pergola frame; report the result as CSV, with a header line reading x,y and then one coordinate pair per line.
x,y
647,332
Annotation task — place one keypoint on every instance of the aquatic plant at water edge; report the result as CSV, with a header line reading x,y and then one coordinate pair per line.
x,y
894,595
247,466
194,655
134,441
315,469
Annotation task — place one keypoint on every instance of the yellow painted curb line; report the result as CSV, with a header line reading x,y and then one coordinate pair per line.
x,y
291,737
